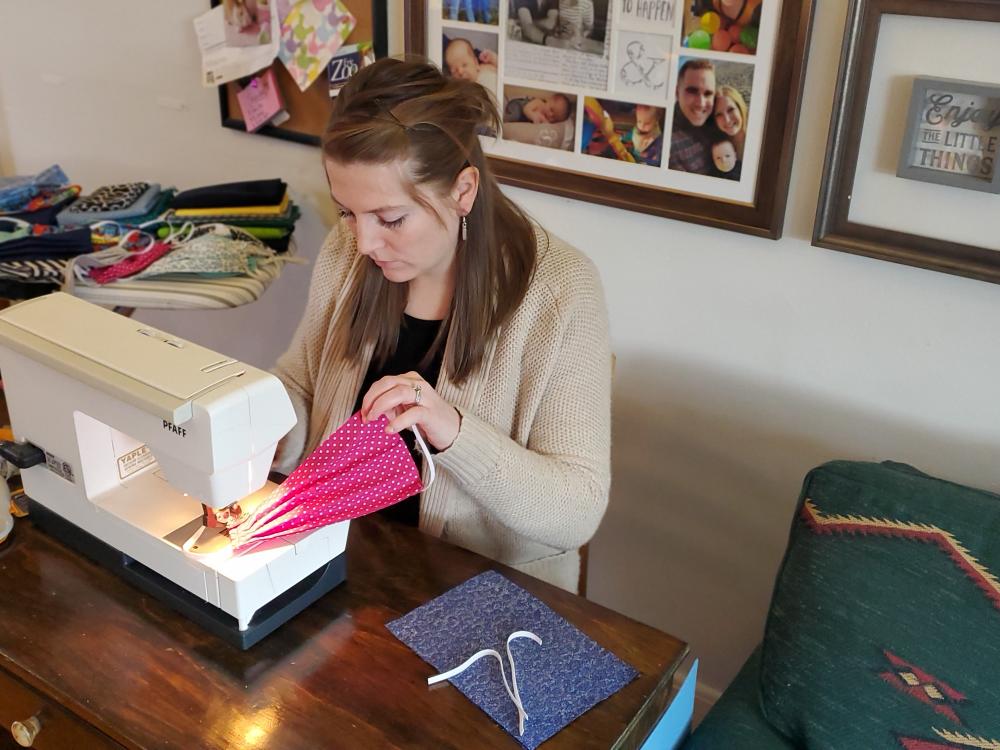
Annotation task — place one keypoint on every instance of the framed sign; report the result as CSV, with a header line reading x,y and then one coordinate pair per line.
x,y
908,128
952,134
309,110
681,108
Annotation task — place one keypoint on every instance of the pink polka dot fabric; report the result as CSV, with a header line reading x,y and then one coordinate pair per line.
x,y
131,264
357,470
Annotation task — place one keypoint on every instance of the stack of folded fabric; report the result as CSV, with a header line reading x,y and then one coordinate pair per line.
x,y
33,257
156,212
34,252
210,266
21,240
36,198
125,203
262,208
137,245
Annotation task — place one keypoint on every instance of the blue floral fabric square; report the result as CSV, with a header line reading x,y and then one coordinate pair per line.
x,y
559,680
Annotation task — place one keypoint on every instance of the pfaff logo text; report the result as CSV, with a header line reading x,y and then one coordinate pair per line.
x,y
174,428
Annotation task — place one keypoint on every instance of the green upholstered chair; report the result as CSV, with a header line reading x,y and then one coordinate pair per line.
x,y
884,627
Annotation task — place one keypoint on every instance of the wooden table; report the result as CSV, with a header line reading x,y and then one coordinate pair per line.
x,y
105,666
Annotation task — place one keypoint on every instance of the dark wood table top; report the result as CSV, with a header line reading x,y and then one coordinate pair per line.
x,y
333,676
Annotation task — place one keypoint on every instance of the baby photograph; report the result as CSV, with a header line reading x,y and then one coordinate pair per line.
x,y
470,55
623,131
539,117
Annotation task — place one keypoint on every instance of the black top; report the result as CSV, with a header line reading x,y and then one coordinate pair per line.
x,y
415,339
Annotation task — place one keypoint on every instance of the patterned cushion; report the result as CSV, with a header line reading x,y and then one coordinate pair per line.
x,y
883,628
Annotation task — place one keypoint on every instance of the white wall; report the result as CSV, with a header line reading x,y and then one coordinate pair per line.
x,y
741,362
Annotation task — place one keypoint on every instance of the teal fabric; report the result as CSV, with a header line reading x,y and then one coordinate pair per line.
x,y
209,255
158,209
882,632
736,721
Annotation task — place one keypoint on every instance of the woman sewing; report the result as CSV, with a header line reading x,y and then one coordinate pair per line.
x,y
438,303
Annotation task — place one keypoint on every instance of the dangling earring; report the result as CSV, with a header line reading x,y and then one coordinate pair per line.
x,y
465,229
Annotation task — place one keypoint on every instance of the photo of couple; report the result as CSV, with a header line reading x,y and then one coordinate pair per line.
x,y
710,117
567,24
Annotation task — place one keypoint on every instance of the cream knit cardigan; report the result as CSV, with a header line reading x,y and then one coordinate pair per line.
x,y
526,480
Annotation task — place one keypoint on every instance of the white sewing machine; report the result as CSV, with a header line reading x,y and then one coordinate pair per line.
x,y
136,429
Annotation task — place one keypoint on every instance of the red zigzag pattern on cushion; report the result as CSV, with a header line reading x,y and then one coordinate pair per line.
x,y
921,532
912,743
911,680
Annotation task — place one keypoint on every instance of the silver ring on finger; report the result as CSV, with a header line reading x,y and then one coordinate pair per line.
x,y
416,393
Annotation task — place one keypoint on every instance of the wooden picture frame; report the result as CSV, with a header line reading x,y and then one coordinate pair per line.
x,y
590,180
309,109
834,227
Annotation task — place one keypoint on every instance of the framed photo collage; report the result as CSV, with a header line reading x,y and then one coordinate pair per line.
x,y
667,104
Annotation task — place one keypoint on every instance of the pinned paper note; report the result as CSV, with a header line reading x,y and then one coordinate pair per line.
x,y
260,101
221,61
312,31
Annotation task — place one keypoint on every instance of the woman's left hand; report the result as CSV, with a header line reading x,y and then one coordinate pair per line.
x,y
409,400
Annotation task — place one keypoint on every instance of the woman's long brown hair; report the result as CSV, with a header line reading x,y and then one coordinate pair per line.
x,y
408,112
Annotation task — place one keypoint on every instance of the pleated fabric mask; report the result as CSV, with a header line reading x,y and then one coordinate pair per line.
x,y
211,254
357,470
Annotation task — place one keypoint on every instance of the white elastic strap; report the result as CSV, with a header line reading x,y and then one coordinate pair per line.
x,y
192,541
176,235
514,694
427,456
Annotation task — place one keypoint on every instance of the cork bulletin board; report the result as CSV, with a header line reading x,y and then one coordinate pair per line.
x,y
308,109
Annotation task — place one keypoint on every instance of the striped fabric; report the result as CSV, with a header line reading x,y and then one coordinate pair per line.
x,y
34,271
